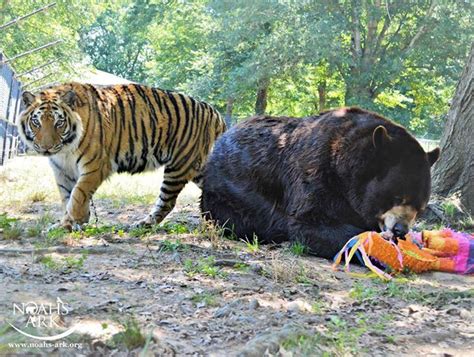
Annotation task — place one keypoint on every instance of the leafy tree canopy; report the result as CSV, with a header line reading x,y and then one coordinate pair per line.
x,y
401,59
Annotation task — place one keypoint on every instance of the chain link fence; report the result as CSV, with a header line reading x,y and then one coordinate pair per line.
x,y
10,102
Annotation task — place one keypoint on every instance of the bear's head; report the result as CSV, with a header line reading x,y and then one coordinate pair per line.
x,y
395,184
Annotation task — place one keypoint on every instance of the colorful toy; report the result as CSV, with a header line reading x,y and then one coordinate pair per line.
x,y
444,250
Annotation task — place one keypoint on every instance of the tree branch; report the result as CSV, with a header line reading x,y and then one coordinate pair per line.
x,y
422,30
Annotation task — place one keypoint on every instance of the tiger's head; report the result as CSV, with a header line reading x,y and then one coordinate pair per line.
x,y
49,124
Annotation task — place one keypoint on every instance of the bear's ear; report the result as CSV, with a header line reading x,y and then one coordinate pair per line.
x,y
380,136
69,98
433,156
28,98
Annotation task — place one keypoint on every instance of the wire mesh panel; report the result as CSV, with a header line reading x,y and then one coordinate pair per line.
x,y
10,94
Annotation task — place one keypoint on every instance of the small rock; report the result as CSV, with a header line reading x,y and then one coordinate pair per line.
x,y
465,314
298,305
413,308
254,304
222,312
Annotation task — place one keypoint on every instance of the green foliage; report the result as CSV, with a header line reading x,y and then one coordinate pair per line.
x,y
205,298
131,338
65,264
13,232
138,232
61,22
253,246
6,222
382,56
204,266
117,40
169,246
174,228
11,227
298,248
56,234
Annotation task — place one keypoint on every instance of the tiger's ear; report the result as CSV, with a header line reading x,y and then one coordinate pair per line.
x,y
380,137
70,98
28,98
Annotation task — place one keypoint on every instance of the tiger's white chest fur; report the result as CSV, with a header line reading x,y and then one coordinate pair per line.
x,y
64,164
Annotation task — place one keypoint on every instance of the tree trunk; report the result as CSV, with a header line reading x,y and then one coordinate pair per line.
x,y
228,112
454,172
322,95
262,92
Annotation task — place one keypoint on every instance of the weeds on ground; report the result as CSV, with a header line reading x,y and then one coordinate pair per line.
x,y
400,289
253,246
204,266
37,196
55,235
170,246
205,298
449,209
242,267
131,338
65,264
6,222
11,227
174,228
213,232
298,249
139,232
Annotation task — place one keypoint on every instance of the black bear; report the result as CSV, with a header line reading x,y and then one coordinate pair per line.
x,y
318,180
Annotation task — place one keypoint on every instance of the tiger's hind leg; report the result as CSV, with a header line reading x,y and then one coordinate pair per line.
x,y
173,184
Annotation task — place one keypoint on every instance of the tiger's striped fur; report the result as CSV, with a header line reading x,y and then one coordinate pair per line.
x,y
90,132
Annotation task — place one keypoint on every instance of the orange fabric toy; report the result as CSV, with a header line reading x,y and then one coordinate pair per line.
x,y
444,250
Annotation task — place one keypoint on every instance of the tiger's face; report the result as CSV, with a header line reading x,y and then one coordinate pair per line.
x,y
49,125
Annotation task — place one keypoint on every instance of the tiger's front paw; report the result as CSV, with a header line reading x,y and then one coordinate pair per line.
x,y
148,221
67,224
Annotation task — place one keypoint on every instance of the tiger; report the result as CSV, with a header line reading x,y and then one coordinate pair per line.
x,y
89,132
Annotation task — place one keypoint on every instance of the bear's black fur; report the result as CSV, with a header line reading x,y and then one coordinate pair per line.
x,y
319,180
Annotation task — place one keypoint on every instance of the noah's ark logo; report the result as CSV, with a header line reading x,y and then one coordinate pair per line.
x,y
42,316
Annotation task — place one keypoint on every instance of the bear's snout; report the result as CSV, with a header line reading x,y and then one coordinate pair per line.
x,y
398,220
400,230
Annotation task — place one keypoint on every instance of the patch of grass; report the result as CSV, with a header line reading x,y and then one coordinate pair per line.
x,y
340,338
213,232
6,222
245,268
13,232
298,249
432,298
205,298
204,266
50,263
253,246
317,307
66,264
169,246
34,230
467,223
94,230
302,276
37,196
449,209
46,219
139,232
131,338
345,337
362,292
400,289
174,228
56,234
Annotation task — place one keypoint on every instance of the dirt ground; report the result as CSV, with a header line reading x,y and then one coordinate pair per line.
x,y
184,289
